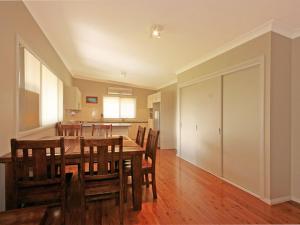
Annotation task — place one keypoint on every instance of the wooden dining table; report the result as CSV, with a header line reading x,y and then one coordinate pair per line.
x,y
131,151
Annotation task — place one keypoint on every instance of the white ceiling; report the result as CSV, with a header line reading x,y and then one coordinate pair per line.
x,y
99,39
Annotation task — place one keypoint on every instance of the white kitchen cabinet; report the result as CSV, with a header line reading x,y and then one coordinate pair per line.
x,y
72,98
154,98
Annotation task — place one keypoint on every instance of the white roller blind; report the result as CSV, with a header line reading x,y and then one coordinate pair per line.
x,y
32,70
111,107
127,107
49,97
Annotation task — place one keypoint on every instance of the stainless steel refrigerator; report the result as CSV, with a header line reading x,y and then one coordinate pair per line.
x,y
156,119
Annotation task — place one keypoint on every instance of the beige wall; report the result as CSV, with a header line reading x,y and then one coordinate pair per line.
x,y
257,47
280,116
295,120
16,20
99,89
168,109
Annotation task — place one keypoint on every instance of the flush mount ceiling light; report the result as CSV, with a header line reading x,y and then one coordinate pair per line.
x,y
156,30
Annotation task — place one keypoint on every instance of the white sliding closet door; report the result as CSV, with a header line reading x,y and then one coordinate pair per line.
x,y
242,129
200,108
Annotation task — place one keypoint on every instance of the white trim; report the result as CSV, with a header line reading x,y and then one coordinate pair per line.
x,y
279,200
270,26
296,34
112,82
295,199
258,61
167,84
258,31
242,188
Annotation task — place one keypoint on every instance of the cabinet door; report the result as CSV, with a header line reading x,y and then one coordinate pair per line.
x,y
200,123
242,128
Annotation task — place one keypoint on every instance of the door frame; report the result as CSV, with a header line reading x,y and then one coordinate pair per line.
x,y
264,131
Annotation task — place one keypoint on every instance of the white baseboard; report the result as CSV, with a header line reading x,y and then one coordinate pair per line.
x,y
295,199
279,200
266,200
242,188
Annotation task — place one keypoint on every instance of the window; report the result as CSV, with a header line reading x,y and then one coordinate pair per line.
x,y
40,93
118,107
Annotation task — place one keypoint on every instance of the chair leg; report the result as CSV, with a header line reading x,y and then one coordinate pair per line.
x,y
121,207
125,187
147,178
154,186
83,210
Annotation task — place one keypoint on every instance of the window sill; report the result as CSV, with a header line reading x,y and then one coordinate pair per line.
x,y
21,134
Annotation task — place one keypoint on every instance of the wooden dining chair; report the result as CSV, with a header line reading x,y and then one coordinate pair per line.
x,y
100,180
102,130
148,164
39,176
140,136
71,129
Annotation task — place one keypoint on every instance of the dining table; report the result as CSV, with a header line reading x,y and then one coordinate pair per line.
x,y
131,151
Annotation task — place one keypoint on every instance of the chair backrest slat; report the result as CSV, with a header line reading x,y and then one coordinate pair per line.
x,y
52,162
99,129
104,147
151,145
71,129
140,136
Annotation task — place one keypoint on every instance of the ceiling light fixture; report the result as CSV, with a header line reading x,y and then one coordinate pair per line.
x,y
156,30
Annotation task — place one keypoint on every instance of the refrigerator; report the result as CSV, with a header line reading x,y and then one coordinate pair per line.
x,y
156,119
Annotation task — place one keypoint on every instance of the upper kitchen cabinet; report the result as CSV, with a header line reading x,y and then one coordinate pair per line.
x,y
156,97
72,98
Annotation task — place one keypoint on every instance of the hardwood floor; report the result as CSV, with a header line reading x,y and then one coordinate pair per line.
x,y
186,195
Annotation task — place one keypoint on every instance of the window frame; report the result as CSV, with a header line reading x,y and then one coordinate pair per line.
x,y
120,96
20,44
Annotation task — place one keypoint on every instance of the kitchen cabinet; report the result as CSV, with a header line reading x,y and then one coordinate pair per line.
x,y
154,98
72,98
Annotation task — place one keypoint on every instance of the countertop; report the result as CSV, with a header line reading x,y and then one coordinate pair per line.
x,y
89,124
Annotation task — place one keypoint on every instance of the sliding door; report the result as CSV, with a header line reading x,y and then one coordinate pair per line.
x,y
242,128
200,107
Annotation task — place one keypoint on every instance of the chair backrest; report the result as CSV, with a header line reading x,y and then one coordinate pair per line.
x,y
140,136
35,161
151,145
71,129
100,129
59,129
102,155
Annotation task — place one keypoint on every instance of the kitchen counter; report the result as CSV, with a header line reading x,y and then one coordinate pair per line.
x,y
89,124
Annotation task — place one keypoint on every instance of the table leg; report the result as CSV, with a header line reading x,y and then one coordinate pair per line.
x,y
10,196
137,181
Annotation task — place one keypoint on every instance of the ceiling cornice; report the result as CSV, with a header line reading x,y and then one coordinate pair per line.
x,y
270,26
167,84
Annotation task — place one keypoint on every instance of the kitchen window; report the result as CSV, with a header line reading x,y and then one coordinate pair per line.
x,y
119,107
40,98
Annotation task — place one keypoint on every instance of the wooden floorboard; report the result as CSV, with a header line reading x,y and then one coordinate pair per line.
x,y
186,195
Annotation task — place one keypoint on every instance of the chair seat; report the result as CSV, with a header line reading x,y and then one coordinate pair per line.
x,y
146,163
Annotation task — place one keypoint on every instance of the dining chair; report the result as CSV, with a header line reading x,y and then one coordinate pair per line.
x,y
39,176
148,164
100,180
71,129
140,136
99,129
